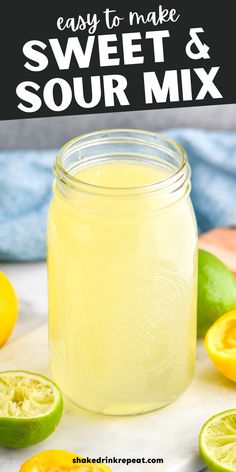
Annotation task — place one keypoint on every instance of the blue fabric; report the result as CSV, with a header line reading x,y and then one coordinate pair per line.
x,y
26,180
25,193
212,156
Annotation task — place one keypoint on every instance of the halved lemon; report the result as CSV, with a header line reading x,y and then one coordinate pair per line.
x,y
59,461
220,343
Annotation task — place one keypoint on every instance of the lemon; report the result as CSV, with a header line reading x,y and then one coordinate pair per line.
x,y
217,442
220,343
8,308
216,291
59,461
30,408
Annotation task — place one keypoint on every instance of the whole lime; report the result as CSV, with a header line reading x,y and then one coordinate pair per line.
x,y
216,291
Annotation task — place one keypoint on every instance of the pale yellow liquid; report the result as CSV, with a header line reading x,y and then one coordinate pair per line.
x,y
122,294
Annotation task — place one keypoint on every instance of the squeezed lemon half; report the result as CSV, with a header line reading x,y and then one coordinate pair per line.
x,y
220,343
59,461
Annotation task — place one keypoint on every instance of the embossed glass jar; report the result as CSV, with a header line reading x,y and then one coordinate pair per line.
x,y
122,271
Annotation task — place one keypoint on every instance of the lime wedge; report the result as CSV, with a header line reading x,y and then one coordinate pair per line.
x,y
30,408
217,442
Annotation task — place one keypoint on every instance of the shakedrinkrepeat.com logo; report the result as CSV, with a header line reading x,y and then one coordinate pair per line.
x,y
117,460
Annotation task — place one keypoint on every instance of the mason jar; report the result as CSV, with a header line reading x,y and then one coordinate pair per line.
x,y
122,272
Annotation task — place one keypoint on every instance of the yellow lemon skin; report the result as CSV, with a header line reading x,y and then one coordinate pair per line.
x,y
59,461
220,343
9,308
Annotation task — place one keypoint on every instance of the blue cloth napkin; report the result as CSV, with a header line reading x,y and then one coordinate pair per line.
x,y
26,180
25,194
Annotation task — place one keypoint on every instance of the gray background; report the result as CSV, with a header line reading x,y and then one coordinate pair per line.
x,y
53,132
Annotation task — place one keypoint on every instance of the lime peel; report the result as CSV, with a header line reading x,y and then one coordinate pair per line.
x,y
31,406
217,442
216,290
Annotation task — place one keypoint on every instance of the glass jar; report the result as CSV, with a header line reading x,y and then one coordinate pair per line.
x,y
122,272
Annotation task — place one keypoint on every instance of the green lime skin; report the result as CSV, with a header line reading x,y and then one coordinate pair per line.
x,y
218,439
18,432
216,291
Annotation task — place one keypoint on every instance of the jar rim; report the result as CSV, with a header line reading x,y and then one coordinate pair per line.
x,y
174,181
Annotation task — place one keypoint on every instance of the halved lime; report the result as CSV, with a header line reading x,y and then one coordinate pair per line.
x,y
30,408
217,442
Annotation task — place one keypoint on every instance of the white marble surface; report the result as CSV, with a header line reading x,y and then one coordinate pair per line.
x,y
171,433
